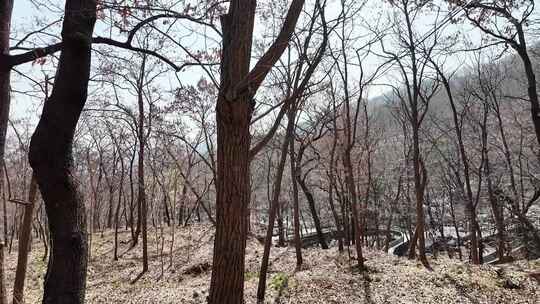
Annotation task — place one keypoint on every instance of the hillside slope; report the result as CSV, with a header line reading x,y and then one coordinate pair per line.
x,y
326,278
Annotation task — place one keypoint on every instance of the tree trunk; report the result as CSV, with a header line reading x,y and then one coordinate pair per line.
x,y
233,115
6,8
312,209
233,140
141,193
281,230
111,190
4,213
3,296
273,212
135,231
531,81
24,244
117,212
496,208
233,118
471,210
296,206
419,187
233,192
51,159
349,178
332,180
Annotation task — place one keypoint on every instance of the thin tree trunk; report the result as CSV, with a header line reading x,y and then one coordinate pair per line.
x,y
419,187
3,296
471,210
117,212
354,207
135,231
496,208
24,244
4,209
111,191
296,205
312,209
456,228
273,212
281,231
531,80
335,214
141,193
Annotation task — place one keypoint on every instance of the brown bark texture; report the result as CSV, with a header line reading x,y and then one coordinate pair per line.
x,y
51,158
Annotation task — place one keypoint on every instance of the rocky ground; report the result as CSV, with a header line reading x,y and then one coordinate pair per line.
x,y
327,276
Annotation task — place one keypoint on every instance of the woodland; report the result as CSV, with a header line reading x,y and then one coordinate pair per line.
x,y
287,151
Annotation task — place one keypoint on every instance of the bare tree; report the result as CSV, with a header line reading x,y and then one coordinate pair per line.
x,y
51,159
234,110
487,16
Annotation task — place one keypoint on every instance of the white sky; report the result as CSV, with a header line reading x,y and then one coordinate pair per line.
x,y
26,14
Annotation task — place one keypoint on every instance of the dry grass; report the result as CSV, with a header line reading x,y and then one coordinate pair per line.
x,y
326,278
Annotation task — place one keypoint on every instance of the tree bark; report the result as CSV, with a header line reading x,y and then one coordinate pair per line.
x,y
141,190
24,244
233,142
312,209
296,207
273,211
349,179
471,210
3,296
6,8
51,159
523,53
234,110
332,181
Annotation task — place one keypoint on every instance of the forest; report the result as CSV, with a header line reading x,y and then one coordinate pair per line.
x,y
286,151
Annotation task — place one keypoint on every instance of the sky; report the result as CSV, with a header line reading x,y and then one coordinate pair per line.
x,y
26,14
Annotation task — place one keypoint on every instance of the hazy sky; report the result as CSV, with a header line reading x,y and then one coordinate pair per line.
x,y
26,14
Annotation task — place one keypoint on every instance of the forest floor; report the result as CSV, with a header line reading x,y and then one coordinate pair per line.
x,y
327,276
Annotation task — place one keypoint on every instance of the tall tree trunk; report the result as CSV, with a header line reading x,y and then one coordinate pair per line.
x,y
135,231
273,211
3,296
234,110
312,209
332,179
141,192
110,186
233,191
531,80
496,208
456,227
4,213
51,159
233,141
471,209
24,244
349,179
6,8
296,206
344,203
281,230
419,188
117,212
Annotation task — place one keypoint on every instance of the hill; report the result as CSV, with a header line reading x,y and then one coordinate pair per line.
x,y
326,277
